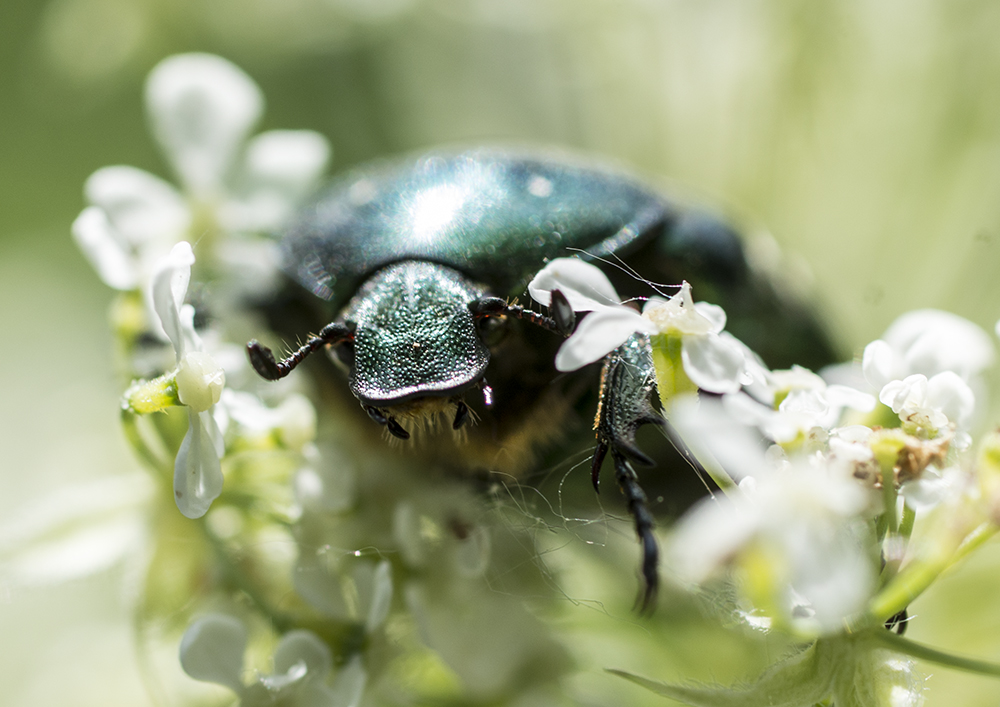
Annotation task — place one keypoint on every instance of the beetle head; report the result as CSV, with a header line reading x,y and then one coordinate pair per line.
x,y
414,336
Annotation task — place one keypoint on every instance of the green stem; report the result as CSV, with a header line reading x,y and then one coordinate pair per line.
x,y
906,525
916,650
889,504
917,575
156,462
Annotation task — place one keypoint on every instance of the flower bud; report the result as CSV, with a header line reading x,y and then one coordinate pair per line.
x,y
199,381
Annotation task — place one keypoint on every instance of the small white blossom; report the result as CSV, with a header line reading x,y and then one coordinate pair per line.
x,y
798,530
201,109
713,362
929,406
212,650
197,471
928,341
801,410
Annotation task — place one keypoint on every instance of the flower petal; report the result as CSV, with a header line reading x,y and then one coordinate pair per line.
x,y
142,207
931,341
169,287
586,286
600,333
201,108
197,471
381,596
281,168
212,650
104,248
948,392
879,364
305,647
713,363
350,683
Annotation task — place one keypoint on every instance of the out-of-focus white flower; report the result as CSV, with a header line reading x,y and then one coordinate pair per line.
x,y
928,341
75,531
933,487
926,407
793,533
292,422
713,362
363,594
796,535
197,471
201,109
212,651
801,409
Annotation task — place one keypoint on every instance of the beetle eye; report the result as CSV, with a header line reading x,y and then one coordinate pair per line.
x,y
492,330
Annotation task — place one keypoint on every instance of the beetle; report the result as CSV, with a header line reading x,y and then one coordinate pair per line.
x,y
416,263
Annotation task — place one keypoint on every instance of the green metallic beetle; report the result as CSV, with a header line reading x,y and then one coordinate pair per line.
x,y
415,262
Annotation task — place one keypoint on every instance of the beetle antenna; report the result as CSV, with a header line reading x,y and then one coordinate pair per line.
x,y
262,359
562,321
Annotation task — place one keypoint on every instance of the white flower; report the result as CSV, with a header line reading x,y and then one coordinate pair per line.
x,y
928,341
796,533
201,109
293,421
814,404
212,650
712,360
197,471
929,406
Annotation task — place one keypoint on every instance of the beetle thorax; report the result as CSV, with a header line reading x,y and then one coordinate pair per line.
x,y
415,336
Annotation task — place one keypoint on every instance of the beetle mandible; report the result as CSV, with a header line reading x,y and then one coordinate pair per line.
x,y
417,259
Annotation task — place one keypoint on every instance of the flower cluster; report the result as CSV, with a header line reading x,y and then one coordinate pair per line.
x,y
821,483
304,568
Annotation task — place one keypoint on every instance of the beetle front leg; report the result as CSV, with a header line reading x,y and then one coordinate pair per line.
x,y
628,384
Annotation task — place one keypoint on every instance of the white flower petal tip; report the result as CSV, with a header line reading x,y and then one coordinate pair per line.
x,y
713,363
585,286
143,208
95,236
197,470
169,287
600,333
212,650
202,107
290,158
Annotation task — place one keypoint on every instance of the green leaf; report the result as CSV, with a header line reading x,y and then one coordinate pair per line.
x,y
801,680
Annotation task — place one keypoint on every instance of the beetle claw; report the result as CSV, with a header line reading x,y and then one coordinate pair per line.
x,y
262,360
396,429
461,415
562,313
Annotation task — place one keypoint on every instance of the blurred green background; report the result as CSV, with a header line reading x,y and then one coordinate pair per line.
x,y
863,136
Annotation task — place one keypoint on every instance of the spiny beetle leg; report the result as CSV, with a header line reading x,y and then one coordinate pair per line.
x,y
635,500
628,383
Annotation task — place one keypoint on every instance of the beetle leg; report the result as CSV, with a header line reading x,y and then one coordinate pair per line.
x,y
390,423
628,383
635,500
262,358
461,415
497,306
